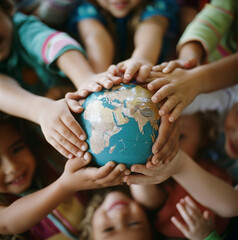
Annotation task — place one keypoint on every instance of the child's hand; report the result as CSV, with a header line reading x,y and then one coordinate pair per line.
x,y
177,89
76,177
168,67
197,225
134,68
61,129
154,174
167,143
97,82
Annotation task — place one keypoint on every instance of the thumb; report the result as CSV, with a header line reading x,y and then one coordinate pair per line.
x,y
77,163
191,63
74,106
207,216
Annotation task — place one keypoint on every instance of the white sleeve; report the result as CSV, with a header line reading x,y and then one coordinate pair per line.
x,y
221,101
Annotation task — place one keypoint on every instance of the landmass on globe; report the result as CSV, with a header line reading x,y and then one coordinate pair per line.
x,y
121,124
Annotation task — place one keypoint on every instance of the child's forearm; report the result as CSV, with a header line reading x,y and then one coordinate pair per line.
x,y
217,75
207,189
27,211
191,50
150,196
148,39
75,66
16,101
98,44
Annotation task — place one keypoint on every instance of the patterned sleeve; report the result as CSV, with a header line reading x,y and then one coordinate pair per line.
x,y
166,8
42,43
209,25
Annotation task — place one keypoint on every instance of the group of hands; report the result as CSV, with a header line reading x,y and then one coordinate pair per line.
x,y
63,132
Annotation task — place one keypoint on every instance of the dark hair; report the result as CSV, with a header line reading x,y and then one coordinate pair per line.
x,y
7,6
209,126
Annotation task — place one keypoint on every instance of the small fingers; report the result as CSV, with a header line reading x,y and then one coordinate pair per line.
x,y
143,73
176,113
77,163
140,179
159,68
186,214
162,94
130,71
60,148
172,65
182,227
191,63
171,103
71,130
74,106
113,69
115,177
109,174
94,87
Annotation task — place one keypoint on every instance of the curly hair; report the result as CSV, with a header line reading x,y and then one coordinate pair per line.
x,y
7,6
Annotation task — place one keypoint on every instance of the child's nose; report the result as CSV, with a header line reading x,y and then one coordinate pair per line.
x,y
119,214
8,165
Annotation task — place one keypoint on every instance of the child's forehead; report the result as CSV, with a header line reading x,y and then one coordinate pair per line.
x,y
8,131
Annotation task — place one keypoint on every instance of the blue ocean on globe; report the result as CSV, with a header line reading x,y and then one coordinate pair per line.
x,y
121,124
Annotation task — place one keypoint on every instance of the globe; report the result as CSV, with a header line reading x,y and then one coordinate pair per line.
x,y
121,124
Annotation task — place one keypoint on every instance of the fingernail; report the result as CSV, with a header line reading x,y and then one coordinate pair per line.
x,y
80,154
161,112
156,161
112,164
156,151
82,137
86,156
84,147
127,76
70,155
154,99
127,173
171,119
121,168
165,70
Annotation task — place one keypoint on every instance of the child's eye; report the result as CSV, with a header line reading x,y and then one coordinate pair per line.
x,y
133,223
109,229
18,148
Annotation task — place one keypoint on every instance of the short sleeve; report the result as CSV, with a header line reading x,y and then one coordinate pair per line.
x,y
83,11
209,25
166,8
41,43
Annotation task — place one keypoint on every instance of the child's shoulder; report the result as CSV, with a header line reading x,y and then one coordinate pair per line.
x,y
20,18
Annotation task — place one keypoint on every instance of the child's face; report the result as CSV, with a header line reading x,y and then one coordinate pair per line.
x,y
120,217
119,8
17,164
231,132
190,136
6,32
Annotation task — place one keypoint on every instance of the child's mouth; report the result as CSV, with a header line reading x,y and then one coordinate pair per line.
x,y
18,180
